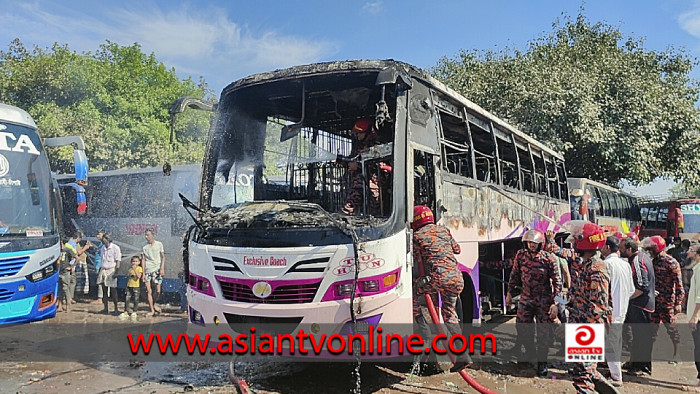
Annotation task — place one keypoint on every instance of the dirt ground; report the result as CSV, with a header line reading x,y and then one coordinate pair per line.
x,y
203,377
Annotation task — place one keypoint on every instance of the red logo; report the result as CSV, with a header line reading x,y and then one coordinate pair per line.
x,y
585,335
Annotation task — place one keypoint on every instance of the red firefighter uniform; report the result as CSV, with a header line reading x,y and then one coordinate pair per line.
x,y
589,295
376,174
589,302
537,275
434,247
669,284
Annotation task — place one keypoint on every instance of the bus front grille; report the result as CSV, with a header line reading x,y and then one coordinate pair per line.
x,y
287,294
11,266
5,294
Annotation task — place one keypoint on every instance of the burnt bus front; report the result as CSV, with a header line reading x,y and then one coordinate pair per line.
x,y
276,243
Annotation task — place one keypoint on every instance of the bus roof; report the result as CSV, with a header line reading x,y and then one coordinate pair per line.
x,y
577,182
339,67
132,171
667,200
12,114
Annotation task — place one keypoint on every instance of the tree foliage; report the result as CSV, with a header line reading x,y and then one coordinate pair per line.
x,y
117,99
615,110
681,190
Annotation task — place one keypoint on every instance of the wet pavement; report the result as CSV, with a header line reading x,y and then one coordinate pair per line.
x,y
136,376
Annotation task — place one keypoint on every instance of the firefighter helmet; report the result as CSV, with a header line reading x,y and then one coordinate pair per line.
x,y
535,236
362,125
422,215
585,235
655,243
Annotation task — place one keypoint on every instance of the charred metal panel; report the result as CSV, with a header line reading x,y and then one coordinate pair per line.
x,y
484,207
423,121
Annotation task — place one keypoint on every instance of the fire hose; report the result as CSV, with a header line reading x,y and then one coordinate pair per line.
x,y
240,383
436,321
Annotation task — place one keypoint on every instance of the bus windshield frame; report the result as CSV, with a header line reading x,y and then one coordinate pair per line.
x,y
292,142
691,216
25,186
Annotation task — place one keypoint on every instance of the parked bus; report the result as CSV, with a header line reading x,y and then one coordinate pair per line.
x,y
272,243
30,217
607,206
672,218
127,202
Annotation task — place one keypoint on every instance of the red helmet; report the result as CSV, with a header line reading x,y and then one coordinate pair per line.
x,y
362,126
535,236
422,215
619,235
592,237
655,243
633,235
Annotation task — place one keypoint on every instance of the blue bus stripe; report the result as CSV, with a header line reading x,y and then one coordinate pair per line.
x,y
19,253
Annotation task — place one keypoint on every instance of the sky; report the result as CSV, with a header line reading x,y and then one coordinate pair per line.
x,y
222,41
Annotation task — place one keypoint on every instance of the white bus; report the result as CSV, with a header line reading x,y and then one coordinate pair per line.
x,y
272,242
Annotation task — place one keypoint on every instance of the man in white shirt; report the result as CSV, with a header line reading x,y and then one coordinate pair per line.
x,y
153,263
621,289
111,256
693,306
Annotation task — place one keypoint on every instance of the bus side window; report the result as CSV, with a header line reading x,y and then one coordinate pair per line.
x,y
484,150
662,220
617,204
625,207
601,205
643,211
561,178
456,148
653,214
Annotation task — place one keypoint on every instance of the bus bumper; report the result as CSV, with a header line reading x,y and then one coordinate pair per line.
x,y
330,316
22,301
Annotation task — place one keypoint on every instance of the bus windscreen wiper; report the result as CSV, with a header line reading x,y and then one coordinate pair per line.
x,y
187,204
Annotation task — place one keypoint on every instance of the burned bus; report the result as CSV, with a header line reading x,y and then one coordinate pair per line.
x,y
274,241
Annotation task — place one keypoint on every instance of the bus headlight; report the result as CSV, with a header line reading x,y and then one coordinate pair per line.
x,y
42,273
370,285
344,289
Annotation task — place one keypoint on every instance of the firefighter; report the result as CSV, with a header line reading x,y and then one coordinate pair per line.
x,y
365,137
535,271
589,296
434,247
669,290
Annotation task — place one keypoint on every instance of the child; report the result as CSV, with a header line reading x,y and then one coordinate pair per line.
x,y
133,285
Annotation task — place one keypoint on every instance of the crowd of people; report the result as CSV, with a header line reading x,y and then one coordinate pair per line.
x,y
629,286
146,270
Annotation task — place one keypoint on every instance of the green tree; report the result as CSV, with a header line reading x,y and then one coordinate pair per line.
x,y
615,110
681,190
117,99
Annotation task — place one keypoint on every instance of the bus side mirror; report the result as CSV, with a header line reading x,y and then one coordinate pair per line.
x,y
80,164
